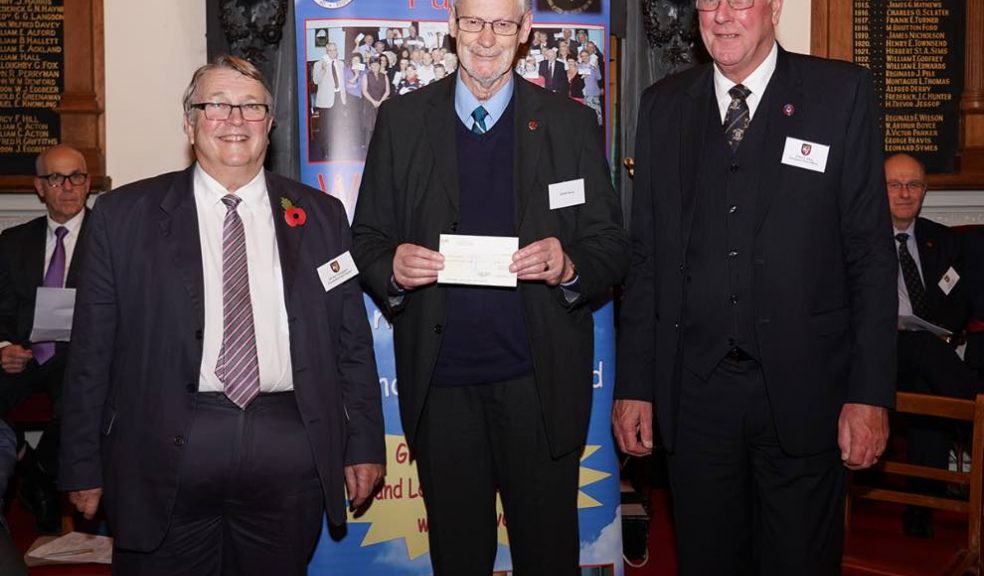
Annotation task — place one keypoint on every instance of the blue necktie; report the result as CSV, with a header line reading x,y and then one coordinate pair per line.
x,y
479,115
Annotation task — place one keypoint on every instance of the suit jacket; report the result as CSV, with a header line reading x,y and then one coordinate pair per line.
x,y
21,272
939,250
558,81
410,194
322,76
825,270
132,381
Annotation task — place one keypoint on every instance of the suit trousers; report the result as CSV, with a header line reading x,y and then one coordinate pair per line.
x,y
474,440
928,365
47,378
741,505
249,499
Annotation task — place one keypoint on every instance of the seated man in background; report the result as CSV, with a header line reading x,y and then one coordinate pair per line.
x,y
11,562
40,253
929,287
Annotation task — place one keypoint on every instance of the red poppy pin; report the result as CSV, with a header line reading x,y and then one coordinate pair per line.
x,y
292,214
533,125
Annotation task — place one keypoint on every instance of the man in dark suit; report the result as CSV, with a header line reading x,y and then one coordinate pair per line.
x,y
222,394
495,383
554,73
930,287
759,315
42,252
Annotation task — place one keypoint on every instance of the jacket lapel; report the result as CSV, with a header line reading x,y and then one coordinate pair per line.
x,y
71,278
288,239
178,226
693,126
784,88
439,122
34,257
528,136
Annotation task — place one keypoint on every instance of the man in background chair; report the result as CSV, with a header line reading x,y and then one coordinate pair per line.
x,y
41,253
930,287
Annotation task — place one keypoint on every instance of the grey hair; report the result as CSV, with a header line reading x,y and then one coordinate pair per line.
x,y
225,62
526,5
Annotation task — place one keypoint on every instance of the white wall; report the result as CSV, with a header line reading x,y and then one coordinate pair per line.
x,y
794,26
152,48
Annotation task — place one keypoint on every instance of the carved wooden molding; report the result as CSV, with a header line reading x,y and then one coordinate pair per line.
x,y
831,37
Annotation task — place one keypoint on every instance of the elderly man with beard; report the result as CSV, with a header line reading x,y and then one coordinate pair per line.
x,y
495,383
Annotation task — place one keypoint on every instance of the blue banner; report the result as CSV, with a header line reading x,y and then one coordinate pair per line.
x,y
350,45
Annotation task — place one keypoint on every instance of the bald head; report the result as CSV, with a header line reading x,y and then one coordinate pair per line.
x,y
61,181
905,178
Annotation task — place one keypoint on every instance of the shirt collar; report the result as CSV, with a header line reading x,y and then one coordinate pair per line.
x,y
465,102
757,81
910,230
251,194
73,224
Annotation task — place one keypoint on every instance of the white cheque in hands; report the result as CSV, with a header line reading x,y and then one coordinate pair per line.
x,y
477,260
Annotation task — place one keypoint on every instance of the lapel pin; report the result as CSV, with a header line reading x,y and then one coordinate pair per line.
x,y
533,125
788,109
929,243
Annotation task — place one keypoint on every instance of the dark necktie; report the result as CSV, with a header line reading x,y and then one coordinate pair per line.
x,y
53,278
737,119
237,366
910,274
479,115
334,74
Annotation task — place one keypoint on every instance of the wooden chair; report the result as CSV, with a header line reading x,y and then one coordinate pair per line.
x,y
966,560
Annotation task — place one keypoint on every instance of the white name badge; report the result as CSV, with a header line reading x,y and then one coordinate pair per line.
x,y
949,280
564,194
803,154
337,270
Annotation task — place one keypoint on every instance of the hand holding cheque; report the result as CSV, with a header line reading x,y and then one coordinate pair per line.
x,y
481,261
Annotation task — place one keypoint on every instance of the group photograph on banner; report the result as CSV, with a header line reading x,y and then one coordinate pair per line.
x,y
352,56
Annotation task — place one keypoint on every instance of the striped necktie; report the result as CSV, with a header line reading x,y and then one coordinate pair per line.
x,y
237,366
737,119
479,115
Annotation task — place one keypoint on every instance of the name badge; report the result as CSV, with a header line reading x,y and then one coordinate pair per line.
x,y
949,280
803,154
337,271
564,194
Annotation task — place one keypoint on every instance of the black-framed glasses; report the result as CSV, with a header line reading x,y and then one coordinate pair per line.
x,y
56,179
499,27
712,5
252,112
911,186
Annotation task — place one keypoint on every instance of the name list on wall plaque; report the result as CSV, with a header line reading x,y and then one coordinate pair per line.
x,y
31,83
914,49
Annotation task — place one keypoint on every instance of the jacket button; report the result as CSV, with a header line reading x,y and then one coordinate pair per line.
x,y
682,267
179,441
454,226
198,334
438,328
191,387
733,167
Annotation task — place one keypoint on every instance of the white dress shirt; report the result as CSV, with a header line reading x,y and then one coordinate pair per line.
x,y
266,285
905,305
757,82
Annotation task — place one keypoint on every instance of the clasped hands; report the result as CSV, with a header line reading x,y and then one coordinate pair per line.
x,y
544,260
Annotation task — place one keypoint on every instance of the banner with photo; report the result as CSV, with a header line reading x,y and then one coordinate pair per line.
x,y
352,56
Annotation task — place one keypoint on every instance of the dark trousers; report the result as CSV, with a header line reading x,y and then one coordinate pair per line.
x,y
249,499
476,439
928,365
46,378
742,506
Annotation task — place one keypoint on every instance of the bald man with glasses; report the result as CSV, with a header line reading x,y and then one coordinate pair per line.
x,y
41,253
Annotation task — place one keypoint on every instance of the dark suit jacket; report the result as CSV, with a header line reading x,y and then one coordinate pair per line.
x,y
558,82
21,272
132,380
410,194
939,250
825,269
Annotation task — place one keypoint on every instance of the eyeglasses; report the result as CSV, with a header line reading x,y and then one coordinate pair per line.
x,y
913,186
499,27
712,5
56,179
252,112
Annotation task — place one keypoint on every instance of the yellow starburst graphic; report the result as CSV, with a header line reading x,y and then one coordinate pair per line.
x,y
398,511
